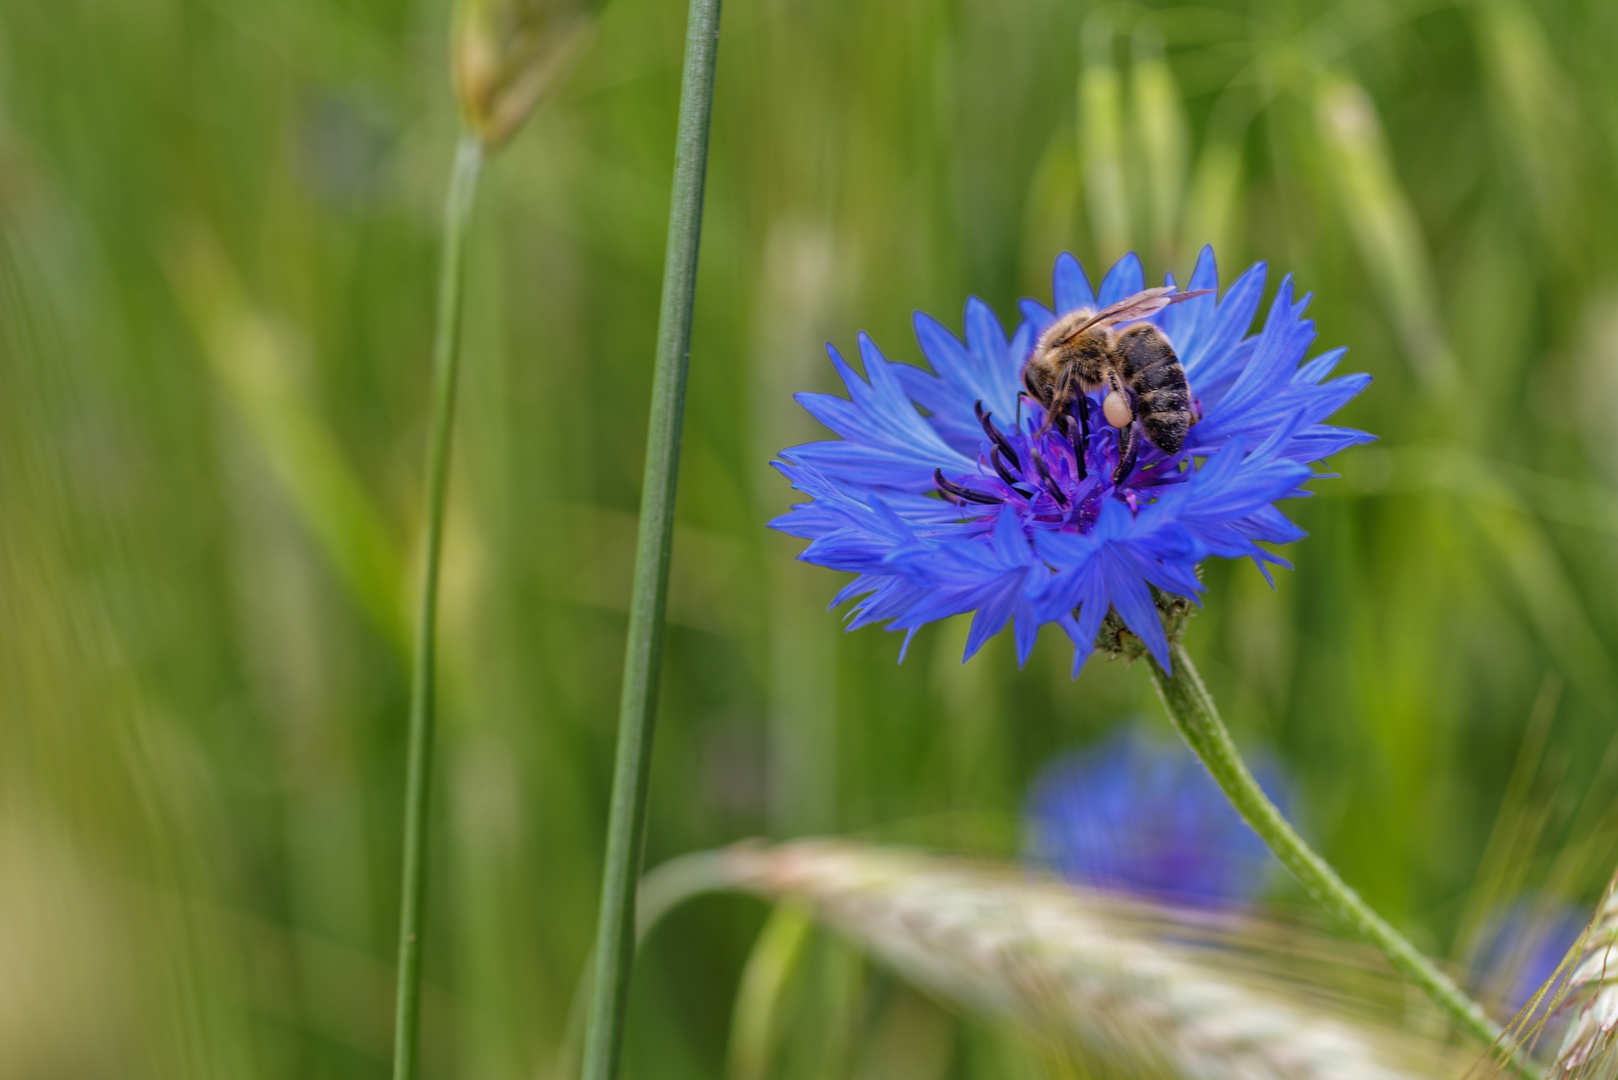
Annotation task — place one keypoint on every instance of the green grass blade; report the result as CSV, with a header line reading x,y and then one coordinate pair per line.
x,y
775,956
251,361
615,932
1101,142
418,786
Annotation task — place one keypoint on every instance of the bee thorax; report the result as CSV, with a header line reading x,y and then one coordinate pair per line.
x,y
1115,407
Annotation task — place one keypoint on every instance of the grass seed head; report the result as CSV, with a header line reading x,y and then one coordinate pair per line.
x,y
507,53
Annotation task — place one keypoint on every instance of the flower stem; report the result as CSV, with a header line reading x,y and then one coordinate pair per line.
x,y
615,930
1193,712
418,769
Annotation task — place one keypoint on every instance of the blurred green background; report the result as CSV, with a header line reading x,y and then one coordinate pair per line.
x,y
218,233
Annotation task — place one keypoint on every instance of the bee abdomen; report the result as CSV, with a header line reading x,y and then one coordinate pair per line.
x,y
1167,429
1144,351
1154,373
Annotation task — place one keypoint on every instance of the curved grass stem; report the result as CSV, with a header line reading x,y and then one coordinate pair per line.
x,y
418,768
1192,710
626,827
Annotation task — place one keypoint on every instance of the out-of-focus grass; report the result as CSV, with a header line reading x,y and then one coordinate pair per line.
x,y
203,699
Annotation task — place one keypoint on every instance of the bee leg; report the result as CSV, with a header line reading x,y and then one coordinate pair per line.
x,y
1128,449
1028,382
1058,400
1116,407
1081,440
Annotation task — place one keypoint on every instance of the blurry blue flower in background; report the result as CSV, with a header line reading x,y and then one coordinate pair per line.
x,y
1519,948
945,492
1140,816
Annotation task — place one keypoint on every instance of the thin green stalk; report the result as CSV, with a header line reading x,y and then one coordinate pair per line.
x,y
418,770
1192,710
615,930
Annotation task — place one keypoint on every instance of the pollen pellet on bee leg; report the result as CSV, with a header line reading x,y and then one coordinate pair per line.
x,y
1116,409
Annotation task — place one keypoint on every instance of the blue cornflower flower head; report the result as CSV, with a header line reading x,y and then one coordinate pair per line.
x,y
1519,948
955,490
1138,816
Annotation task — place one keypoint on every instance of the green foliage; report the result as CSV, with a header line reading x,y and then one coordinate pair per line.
x,y
218,234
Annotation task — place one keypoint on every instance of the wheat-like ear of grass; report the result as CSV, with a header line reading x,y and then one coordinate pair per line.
x,y
1590,1046
1112,982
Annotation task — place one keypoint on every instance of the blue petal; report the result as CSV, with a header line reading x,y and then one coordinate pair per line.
x,y
1183,322
1083,627
942,402
1126,278
1133,600
1037,315
990,620
1026,629
1022,343
1209,360
1070,288
1322,441
1281,345
886,442
981,372
1321,366
1206,274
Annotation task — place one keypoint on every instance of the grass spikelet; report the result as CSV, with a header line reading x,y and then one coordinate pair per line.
x,y
1113,982
507,53
1590,1046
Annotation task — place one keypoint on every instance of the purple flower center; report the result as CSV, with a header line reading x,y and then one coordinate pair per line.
x,y
1055,477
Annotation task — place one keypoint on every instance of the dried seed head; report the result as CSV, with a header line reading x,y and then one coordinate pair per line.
x,y
507,53
1118,986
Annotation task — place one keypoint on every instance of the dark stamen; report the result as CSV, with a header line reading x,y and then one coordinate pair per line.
x,y
1045,475
1012,481
1079,442
999,440
964,493
1000,467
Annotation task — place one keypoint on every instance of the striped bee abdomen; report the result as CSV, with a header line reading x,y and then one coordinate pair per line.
x,y
1153,372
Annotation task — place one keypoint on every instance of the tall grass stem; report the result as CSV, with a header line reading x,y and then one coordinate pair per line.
x,y
1192,710
418,769
615,929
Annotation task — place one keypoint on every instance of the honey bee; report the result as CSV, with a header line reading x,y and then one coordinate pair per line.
x,y
1137,367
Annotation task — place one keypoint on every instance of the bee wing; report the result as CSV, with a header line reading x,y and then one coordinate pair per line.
x,y
1131,308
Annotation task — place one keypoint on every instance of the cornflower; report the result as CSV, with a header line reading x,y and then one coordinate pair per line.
x,y
1134,815
952,491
